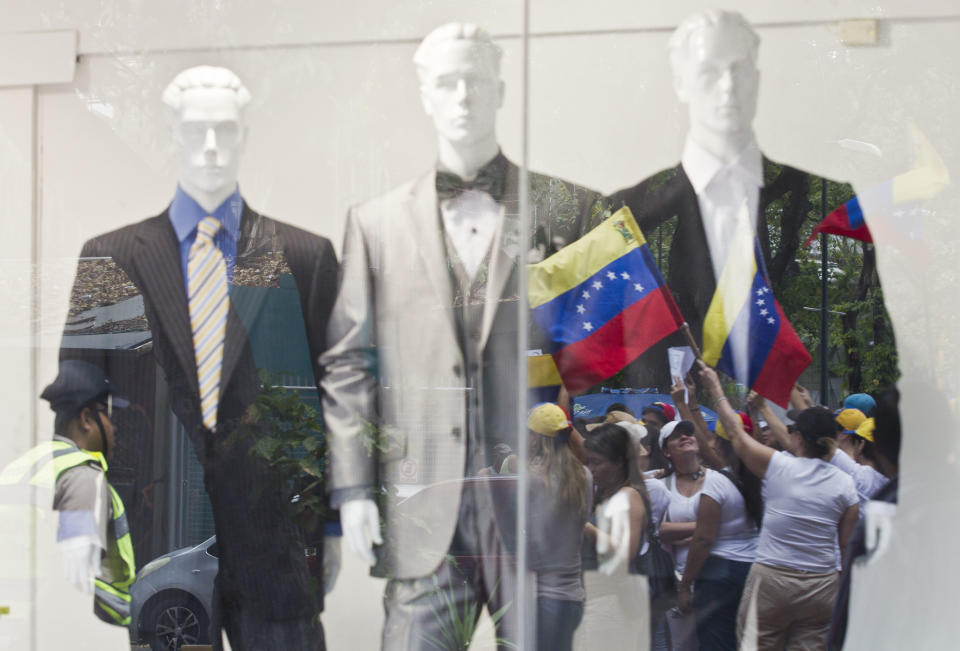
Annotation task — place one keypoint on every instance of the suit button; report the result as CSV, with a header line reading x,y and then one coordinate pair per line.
x,y
456,432
457,370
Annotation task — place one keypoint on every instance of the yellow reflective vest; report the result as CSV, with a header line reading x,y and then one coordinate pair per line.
x,y
42,467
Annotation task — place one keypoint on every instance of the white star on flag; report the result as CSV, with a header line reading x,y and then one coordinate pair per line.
x,y
581,309
586,294
611,275
588,326
597,284
638,287
625,275
760,292
760,301
763,312
771,320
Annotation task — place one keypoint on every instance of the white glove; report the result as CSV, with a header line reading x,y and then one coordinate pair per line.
x,y
331,562
81,561
878,527
360,521
613,523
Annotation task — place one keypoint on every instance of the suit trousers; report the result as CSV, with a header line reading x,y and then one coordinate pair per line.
x,y
440,610
247,630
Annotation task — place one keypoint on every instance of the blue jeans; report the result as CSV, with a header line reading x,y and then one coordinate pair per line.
x,y
716,597
557,619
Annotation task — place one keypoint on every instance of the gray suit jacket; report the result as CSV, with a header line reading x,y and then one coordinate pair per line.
x,y
394,387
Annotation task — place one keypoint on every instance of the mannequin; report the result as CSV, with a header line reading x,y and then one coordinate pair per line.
x,y
426,352
264,595
723,179
208,132
461,92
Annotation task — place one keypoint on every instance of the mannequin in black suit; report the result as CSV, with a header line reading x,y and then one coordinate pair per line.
x,y
713,56
265,595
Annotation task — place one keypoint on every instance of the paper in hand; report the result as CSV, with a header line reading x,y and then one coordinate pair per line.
x,y
681,361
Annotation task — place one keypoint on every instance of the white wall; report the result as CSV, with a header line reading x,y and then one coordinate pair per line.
x,y
336,119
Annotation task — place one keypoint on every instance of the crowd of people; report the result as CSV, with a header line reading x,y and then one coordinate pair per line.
x,y
665,531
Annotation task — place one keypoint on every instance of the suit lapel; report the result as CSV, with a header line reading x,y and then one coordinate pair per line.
x,y
160,272
506,248
423,213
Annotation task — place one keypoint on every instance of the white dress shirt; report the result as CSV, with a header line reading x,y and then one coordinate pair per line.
x,y
721,190
471,219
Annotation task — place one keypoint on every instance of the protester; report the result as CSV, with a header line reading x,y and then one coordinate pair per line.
x,y
617,606
657,413
560,498
855,454
723,542
862,401
887,443
810,506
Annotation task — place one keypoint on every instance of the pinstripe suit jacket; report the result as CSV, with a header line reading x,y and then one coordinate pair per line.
x,y
262,563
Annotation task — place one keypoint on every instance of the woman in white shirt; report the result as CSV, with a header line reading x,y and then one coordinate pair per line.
x,y
809,507
723,543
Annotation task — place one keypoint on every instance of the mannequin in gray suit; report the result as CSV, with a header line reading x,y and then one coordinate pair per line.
x,y
421,373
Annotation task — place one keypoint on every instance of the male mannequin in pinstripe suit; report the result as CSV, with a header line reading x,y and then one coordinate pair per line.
x,y
265,595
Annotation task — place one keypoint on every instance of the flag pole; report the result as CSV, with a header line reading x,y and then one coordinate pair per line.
x,y
685,329
824,336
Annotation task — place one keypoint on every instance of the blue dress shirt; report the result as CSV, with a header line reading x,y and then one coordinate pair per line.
x,y
186,214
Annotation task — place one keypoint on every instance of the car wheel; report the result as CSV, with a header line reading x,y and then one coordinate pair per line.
x,y
173,620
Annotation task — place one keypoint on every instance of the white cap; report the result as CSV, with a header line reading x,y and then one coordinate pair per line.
x,y
667,429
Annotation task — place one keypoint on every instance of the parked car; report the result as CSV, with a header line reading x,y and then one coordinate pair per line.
x,y
171,600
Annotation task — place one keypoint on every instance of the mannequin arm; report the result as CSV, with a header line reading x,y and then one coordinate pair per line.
x,y
360,521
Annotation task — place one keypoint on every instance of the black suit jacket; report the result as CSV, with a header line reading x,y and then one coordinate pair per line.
x,y
262,562
668,195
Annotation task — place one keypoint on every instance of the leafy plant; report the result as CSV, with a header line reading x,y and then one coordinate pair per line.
x,y
459,623
283,430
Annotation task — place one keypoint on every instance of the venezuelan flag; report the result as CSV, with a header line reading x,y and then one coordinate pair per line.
x,y
847,221
745,333
601,301
894,207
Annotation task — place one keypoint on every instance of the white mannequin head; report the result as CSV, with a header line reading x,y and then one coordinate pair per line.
x,y
459,70
713,55
209,133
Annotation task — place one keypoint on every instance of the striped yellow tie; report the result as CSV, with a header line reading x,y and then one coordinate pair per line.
x,y
207,298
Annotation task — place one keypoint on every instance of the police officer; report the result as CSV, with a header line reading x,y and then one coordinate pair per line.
x,y
93,535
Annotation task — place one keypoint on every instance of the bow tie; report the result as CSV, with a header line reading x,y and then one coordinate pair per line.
x,y
491,179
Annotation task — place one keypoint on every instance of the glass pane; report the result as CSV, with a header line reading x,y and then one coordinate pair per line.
x,y
710,135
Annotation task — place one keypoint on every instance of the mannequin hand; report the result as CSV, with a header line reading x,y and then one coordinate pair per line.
x,y
81,562
331,562
878,524
614,525
360,521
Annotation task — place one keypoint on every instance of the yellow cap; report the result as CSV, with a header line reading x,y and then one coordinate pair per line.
x,y
851,419
866,429
547,419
